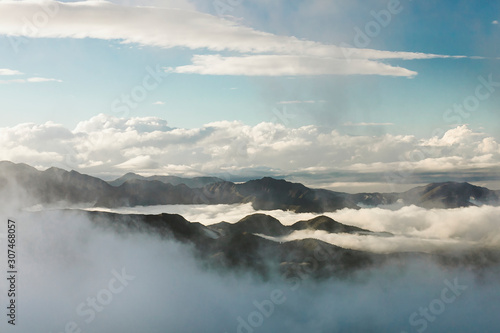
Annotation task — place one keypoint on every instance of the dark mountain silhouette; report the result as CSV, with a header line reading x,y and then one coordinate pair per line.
x,y
270,226
256,223
195,182
56,185
327,224
52,185
450,195
239,246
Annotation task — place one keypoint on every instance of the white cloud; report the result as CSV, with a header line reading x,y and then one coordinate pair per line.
x,y
159,103
11,72
414,228
181,26
41,79
494,22
106,145
287,65
8,72
64,251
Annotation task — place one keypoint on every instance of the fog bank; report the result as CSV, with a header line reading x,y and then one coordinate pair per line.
x,y
141,283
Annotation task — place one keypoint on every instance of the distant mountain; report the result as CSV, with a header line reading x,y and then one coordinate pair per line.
x,y
269,194
436,195
55,185
50,186
450,195
195,182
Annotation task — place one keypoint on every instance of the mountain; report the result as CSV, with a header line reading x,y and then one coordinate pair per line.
x,y
50,186
24,183
241,246
195,182
435,195
256,224
270,226
450,195
327,224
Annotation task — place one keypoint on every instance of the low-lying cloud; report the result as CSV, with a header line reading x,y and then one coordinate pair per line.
x,y
414,228
72,273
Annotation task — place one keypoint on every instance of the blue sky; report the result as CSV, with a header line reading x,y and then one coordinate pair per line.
x,y
257,61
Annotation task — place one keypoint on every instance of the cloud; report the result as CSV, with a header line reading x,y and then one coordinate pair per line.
x,y
179,26
159,103
68,261
106,145
414,228
11,72
287,65
41,79
494,22
7,72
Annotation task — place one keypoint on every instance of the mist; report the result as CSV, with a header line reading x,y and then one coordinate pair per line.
x,y
141,283
414,228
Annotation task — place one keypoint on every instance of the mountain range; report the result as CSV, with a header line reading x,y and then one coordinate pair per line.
x,y
255,243
56,185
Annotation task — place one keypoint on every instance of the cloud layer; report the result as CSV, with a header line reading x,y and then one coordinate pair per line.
x,y
67,263
414,228
178,25
106,145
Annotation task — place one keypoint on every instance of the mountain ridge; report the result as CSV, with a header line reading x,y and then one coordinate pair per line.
x,y
57,185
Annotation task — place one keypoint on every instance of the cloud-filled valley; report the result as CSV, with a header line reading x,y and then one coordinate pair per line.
x,y
413,270
414,228
232,166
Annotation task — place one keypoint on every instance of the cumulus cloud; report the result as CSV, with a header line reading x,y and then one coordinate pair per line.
x,y
181,26
106,145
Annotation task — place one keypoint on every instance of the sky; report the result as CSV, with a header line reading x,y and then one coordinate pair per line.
x,y
336,94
